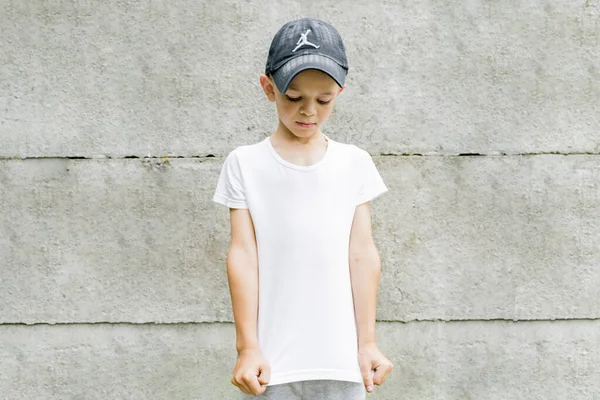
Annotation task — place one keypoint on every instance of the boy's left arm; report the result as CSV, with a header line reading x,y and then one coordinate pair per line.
x,y
365,267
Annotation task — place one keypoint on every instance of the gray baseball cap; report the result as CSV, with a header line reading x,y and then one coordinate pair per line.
x,y
303,44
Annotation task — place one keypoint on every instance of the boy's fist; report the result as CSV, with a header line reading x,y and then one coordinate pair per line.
x,y
251,372
371,359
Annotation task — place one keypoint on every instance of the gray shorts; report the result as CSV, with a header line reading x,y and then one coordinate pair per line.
x,y
313,390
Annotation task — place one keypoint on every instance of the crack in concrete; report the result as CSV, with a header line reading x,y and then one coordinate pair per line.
x,y
495,154
579,319
427,154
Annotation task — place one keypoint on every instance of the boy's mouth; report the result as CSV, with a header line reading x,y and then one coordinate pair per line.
x,y
305,124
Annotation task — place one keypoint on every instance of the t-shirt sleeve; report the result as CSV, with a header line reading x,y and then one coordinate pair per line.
x,y
230,188
371,184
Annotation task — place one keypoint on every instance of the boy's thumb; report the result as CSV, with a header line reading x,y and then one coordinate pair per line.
x,y
368,378
265,375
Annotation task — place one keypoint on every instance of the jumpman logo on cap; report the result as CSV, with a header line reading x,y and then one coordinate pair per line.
x,y
303,40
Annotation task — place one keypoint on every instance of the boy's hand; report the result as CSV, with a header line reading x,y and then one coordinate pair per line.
x,y
370,358
251,372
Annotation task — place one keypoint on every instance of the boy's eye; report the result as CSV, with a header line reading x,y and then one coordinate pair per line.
x,y
298,99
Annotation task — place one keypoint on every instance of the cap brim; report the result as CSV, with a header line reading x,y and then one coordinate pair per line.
x,y
284,75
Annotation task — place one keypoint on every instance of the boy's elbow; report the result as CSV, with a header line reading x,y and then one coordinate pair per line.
x,y
367,255
237,256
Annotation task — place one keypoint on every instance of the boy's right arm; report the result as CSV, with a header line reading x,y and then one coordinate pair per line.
x,y
242,272
251,369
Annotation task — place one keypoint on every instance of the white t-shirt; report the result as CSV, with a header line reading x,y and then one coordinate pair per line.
x,y
302,218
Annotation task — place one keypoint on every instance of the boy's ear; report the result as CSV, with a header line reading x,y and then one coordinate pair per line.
x,y
268,86
342,89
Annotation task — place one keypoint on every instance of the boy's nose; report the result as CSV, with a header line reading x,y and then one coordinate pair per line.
x,y
308,110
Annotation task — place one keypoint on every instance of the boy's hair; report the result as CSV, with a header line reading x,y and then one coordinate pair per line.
x,y
303,44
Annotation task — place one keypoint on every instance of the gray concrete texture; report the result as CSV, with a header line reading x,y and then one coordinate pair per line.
x,y
113,281
492,360
119,78
514,237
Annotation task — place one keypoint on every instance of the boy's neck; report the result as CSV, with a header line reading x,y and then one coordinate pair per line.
x,y
283,136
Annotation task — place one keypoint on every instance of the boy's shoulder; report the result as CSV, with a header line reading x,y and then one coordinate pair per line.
x,y
246,150
353,151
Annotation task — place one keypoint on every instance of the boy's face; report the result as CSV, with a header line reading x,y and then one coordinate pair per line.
x,y
308,102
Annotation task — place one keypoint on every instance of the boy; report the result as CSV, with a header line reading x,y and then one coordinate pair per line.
x,y
302,266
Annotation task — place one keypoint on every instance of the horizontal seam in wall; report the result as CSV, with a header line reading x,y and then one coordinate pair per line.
x,y
379,321
499,154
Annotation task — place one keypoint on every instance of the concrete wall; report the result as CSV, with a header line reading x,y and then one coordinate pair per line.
x,y
115,118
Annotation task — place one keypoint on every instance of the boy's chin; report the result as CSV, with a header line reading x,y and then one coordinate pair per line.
x,y
303,132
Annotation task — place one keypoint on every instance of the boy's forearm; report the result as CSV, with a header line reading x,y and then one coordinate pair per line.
x,y
242,273
365,270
